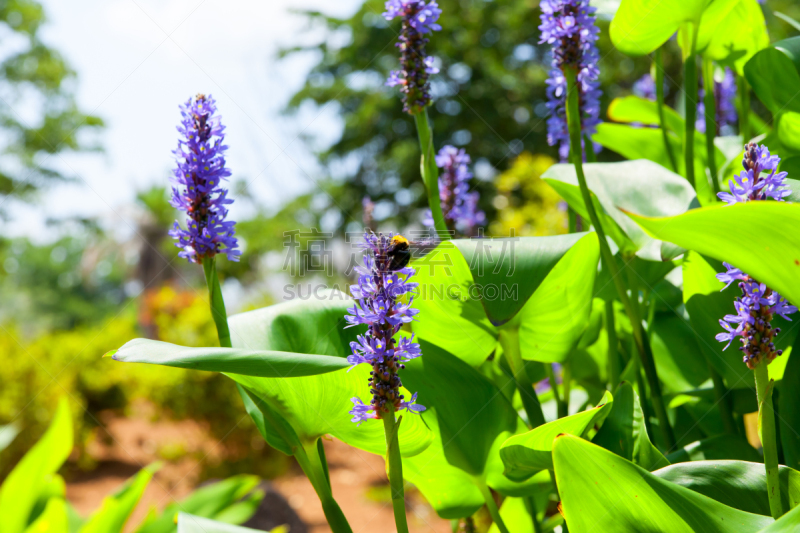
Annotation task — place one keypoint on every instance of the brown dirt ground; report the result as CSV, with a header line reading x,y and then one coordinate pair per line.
x,y
122,446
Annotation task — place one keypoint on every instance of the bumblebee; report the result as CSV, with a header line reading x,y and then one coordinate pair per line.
x,y
399,253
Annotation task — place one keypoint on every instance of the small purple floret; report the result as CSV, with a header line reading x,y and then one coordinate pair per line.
x,y
199,192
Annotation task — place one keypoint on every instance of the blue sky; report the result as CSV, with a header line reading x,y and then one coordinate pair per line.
x,y
138,59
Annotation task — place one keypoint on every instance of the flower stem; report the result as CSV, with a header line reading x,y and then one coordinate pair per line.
x,y
509,340
690,90
493,510
744,109
766,430
395,471
430,172
710,104
218,312
658,62
614,366
311,462
642,343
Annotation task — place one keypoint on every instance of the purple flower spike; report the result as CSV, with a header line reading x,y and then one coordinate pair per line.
x,y
378,293
725,98
419,18
460,207
757,304
199,192
569,26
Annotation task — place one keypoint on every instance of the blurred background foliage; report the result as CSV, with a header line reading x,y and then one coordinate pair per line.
x,y
69,300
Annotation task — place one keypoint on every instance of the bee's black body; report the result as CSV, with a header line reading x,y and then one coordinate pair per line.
x,y
399,254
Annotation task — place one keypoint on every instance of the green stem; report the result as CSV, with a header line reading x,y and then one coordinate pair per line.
x,y
744,109
769,441
493,510
721,394
312,464
566,382
614,367
509,340
710,104
537,527
690,90
430,172
390,429
610,263
217,303
658,61
560,408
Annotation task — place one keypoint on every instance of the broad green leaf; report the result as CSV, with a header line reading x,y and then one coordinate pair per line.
x,y
676,349
450,311
21,488
789,131
526,454
640,27
206,502
707,304
744,235
188,523
713,14
738,484
624,431
738,36
790,47
553,320
716,448
313,406
470,419
633,109
449,490
628,185
248,362
54,518
601,491
774,78
275,429
789,20
788,523
115,510
513,266
515,515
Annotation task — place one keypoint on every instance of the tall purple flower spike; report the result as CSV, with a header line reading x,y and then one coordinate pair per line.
x,y
419,18
198,178
569,26
645,87
378,296
757,304
460,206
725,98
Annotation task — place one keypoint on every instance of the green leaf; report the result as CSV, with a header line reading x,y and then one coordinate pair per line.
x,y
116,509
790,47
677,352
788,128
788,523
633,109
738,36
738,484
515,515
526,454
553,320
772,75
789,20
54,518
789,409
188,523
601,491
313,406
640,27
624,431
248,362
513,266
715,448
21,488
450,314
627,185
275,429
744,235
212,501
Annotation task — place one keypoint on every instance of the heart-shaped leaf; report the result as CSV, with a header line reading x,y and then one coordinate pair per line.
x,y
601,491
627,185
526,454
738,484
772,74
263,363
736,37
